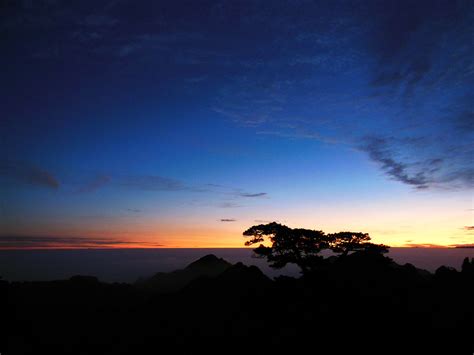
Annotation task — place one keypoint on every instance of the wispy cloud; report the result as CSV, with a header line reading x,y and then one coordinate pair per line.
x,y
95,183
166,184
243,119
301,134
146,42
40,242
415,56
379,151
424,245
419,163
153,183
26,173
262,221
422,61
257,194
466,245
227,220
229,204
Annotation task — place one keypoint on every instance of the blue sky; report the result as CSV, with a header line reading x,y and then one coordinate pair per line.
x,y
181,123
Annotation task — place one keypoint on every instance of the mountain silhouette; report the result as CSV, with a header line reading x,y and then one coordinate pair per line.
x,y
209,265
236,279
240,274
211,301
164,282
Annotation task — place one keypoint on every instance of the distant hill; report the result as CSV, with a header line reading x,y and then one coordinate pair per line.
x,y
208,266
347,305
235,279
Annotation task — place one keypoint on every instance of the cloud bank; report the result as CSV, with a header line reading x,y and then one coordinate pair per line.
x,y
18,172
32,242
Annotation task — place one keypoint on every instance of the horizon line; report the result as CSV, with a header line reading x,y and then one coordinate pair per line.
x,y
467,246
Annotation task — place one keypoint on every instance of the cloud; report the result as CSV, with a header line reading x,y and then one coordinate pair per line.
x,y
424,245
262,221
469,228
419,66
26,173
29,242
301,134
420,162
134,210
142,182
243,118
413,59
466,245
153,183
406,38
228,204
227,220
96,183
164,42
258,194
160,183
380,152
423,67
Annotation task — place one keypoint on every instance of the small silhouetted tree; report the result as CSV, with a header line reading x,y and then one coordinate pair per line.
x,y
288,245
467,267
345,242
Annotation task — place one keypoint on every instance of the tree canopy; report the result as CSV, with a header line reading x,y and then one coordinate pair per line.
x,y
302,246
345,242
289,245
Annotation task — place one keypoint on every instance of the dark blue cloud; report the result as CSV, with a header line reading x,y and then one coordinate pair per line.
x,y
257,194
424,65
95,183
18,172
337,72
153,183
380,151
19,242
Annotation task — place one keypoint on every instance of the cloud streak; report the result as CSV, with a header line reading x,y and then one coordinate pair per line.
x,y
228,204
425,245
153,183
44,242
414,58
263,221
379,151
422,64
95,183
253,195
467,245
19,172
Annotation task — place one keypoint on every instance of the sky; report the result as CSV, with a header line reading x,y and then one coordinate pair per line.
x,y
183,123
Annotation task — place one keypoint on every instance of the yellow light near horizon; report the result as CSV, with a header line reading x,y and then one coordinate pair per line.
x,y
400,223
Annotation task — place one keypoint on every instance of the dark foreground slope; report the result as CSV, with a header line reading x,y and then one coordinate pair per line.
x,y
357,303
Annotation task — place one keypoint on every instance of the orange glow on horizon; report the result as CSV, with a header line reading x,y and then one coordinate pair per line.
x,y
435,226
